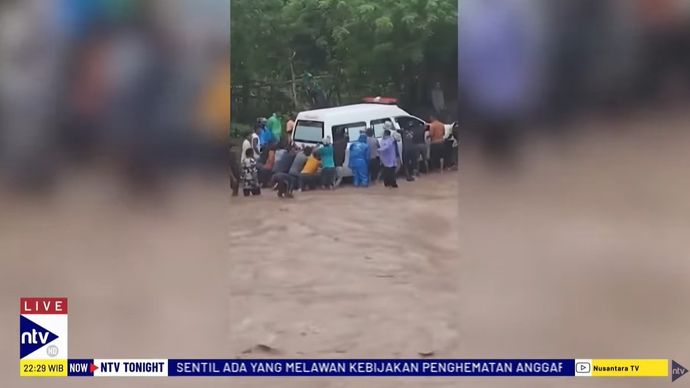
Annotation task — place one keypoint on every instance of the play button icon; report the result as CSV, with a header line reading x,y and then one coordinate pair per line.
x,y
583,367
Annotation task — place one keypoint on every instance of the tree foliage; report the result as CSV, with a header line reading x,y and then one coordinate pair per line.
x,y
362,47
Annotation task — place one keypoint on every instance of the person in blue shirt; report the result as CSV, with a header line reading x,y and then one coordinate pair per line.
x,y
359,161
265,135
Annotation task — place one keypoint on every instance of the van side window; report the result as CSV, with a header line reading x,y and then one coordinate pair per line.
x,y
406,121
378,126
308,131
350,132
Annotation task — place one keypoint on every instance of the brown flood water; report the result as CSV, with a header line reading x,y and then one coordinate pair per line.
x,y
582,252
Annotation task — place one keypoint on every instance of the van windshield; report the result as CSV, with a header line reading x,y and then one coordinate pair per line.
x,y
308,131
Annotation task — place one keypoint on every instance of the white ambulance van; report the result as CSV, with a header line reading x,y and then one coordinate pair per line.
x,y
346,122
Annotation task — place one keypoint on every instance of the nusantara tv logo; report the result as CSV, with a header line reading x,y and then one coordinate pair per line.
x,y
43,328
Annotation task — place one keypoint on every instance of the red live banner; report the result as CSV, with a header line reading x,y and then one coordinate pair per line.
x,y
43,305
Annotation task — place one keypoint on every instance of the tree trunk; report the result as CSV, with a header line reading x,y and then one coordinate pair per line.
x,y
294,82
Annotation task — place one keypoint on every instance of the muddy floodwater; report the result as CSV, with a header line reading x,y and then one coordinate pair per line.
x,y
580,251
349,272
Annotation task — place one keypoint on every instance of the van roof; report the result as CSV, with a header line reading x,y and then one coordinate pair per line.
x,y
364,111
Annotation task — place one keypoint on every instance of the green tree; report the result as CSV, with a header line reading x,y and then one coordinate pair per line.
x,y
364,47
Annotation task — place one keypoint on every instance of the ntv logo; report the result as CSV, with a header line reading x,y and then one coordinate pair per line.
x,y
43,326
33,336
677,371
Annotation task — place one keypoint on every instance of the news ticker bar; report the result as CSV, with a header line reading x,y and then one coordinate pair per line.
x,y
346,367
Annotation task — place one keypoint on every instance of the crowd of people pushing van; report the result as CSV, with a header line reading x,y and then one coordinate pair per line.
x,y
270,160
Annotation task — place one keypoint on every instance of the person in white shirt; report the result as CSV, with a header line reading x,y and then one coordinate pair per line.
x,y
246,144
255,141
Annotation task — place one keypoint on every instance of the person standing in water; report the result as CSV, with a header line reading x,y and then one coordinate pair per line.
x,y
327,164
374,161
359,161
246,144
234,169
297,166
437,133
410,155
250,175
388,159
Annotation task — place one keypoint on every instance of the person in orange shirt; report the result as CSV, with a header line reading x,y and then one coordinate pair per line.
x,y
310,172
437,133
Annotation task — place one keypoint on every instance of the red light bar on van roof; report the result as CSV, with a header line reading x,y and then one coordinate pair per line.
x,y
380,100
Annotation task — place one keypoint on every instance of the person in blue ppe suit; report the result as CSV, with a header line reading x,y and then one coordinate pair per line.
x,y
359,161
